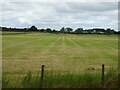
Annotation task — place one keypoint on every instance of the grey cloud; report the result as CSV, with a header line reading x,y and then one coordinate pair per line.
x,y
93,7
58,14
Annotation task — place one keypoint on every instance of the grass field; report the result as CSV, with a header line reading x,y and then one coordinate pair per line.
x,y
67,54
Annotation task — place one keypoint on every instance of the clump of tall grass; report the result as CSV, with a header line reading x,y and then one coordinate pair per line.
x,y
31,80
88,79
26,81
5,81
111,78
73,80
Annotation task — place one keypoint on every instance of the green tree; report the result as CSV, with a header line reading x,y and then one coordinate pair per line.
x,y
69,29
55,31
108,31
49,30
33,28
42,30
78,30
62,30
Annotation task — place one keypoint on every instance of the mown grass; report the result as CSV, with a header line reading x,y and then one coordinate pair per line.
x,y
64,53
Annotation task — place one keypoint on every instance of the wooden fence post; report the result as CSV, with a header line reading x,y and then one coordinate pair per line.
x,y
103,69
42,75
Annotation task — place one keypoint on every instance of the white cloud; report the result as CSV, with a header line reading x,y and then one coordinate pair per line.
x,y
24,20
58,14
61,0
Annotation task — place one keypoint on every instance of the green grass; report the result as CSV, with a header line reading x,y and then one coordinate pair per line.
x,y
87,79
66,54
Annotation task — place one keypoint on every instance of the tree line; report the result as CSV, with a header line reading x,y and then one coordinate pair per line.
x,y
64,30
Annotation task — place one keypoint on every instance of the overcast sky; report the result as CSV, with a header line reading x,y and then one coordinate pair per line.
x,y
56,15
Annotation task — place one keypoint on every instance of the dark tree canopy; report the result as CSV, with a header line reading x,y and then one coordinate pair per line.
x,y
79,30
62,30
49,30
69,29
108,31
42,30
55,31
33,28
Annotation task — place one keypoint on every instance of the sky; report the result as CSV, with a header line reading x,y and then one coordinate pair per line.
x,y
56,15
